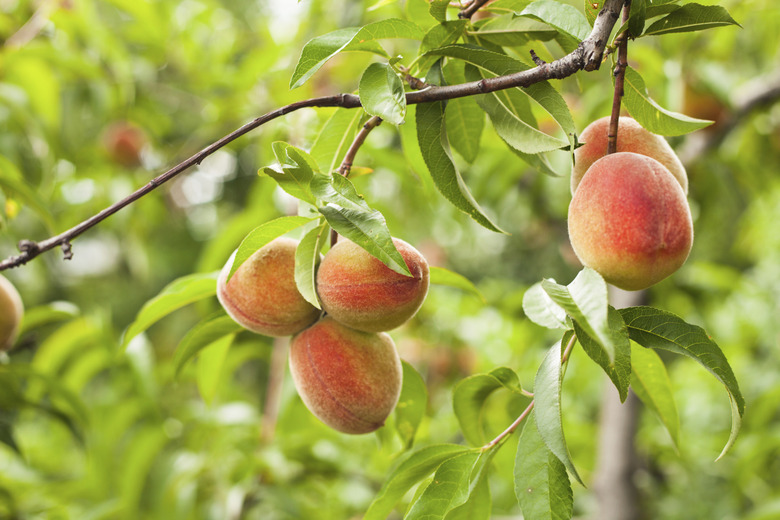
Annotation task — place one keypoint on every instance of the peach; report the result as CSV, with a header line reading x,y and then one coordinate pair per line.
x,y
630,221
350,380
632,137
124,142
261,296
11,311
361,292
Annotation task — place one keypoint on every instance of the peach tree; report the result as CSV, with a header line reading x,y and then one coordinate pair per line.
x,y
457,69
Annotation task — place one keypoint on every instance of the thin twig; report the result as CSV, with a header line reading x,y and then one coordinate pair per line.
x,y
472,8
512,427
33,26
620,75
587,56
360,138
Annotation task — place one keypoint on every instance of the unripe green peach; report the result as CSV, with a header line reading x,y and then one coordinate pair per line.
x,y
630,221
632,137
350,380
361,292
261,296
11,311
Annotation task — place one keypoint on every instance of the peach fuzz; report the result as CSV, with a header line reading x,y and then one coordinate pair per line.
x,y
350,380
261,296
630,221
632,137
11,311
361,292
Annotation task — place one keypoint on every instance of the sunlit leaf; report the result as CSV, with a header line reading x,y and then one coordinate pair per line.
x,y
585,301
542,310
566,18
321,49
448,490
211,361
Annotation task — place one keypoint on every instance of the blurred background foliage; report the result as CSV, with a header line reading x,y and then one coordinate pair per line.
x,y
91,432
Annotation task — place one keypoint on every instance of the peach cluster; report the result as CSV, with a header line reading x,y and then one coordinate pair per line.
x,y
345,367
629,217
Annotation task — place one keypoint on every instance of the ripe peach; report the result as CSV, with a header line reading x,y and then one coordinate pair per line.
x,y
350,380
361,292
629,220
123,142
262,296
11,310
632,137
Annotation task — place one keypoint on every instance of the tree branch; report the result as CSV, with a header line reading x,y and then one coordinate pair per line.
x,y
620,75
360,138
472,8
587,56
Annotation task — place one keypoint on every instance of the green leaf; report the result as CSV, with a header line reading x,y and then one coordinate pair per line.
x,y
48,313
211,362
637,17
592,9
209,330
307,257
464,121
412,404
478,505
585,301
409,471
542,310
542,486
469,396
382,93
547,399
177,294
297,173
439,9
335,138
691,17
348,214
509,30
654,328
543,93
566,18
434,147
262,235
13,183
619,371
321,49
442,276
650,114
450,488
651,384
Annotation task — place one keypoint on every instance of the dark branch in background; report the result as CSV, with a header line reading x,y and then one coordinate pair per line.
x,y
587,56
762,92
620,75
472,8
